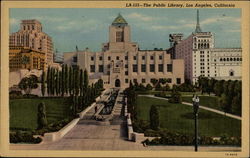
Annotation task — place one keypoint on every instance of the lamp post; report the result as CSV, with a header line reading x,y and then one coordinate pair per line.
x,y
196,101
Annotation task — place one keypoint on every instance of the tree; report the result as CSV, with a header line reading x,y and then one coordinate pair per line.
x,y
48,81
66,79
224,102
236,104
41,116
57,82
154,118
211,83
158,87
86,78
43,86
81,82
53,82
63,80
76,81
28,83
218,88
163,81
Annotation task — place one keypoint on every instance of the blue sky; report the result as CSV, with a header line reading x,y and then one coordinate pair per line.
x,y
150,27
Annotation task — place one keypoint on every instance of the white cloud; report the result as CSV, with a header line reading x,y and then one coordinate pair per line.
x,y
78,25
220,19
141,17
50,19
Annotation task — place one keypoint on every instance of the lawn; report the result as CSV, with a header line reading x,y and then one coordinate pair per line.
x,y
208,101
179,118
23,112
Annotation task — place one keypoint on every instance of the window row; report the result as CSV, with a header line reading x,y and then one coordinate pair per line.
x,y
92,58
143,80
230,59
169,68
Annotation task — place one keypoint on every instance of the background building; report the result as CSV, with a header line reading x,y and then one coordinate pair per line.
x,y
203,59
25,58
121,61
30,35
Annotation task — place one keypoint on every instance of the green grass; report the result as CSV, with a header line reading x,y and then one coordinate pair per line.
x,y
179,118
208,101
23,112
152,92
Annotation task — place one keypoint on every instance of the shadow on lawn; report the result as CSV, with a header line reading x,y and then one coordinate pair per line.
x,y
202,115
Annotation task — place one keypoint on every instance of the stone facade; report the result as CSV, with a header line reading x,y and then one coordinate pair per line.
x,y
25,58
30,35
121,60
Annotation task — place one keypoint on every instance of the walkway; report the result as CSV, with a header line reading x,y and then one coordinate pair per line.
x,y
202,107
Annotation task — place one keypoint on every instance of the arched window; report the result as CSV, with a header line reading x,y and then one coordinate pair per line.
x,y
224,59
220,59
231,59
238,59
227,59
234,59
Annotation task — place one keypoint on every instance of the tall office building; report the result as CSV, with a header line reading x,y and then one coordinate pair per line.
x,y
201,58
31,36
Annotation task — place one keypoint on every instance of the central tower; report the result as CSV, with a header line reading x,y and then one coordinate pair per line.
x,y
119,36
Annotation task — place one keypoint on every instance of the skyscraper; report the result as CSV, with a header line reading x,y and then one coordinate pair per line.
x,y
31,36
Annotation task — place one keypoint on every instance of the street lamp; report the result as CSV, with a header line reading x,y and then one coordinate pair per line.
x,y
196,101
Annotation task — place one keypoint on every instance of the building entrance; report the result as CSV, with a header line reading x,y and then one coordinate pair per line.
x,y
117,83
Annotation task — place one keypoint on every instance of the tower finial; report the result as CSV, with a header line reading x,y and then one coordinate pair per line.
x,y
198,28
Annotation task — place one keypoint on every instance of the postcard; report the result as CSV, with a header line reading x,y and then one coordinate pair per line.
x,y
125,78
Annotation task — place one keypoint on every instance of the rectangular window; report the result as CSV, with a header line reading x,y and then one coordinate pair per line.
x,y
178,80
109,58
143,57
100,58
169,68
152,57
100,68
92,58
134,57
126,80
143,80
126,57
126,66
169,80
126,73
160,67
143,68
117,58
92,68
160,57
152,68
119,36
135,68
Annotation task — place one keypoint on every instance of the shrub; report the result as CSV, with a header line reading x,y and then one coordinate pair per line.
x,y
149,87
154,118
175,97
140,126
158,87
23,137
41,116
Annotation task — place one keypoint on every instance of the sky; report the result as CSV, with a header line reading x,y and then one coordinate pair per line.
x,y
150,27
